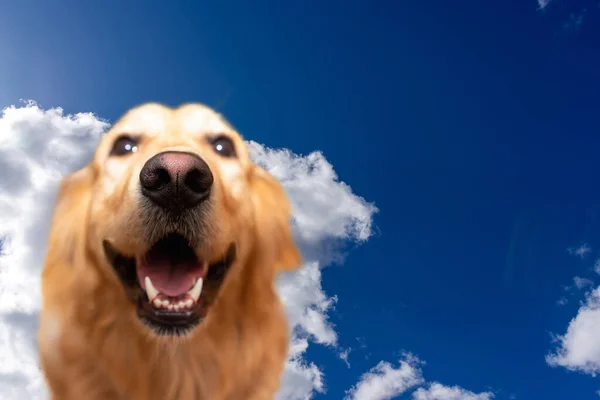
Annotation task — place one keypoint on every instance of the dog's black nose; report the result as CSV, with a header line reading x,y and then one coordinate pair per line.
x,y
176,180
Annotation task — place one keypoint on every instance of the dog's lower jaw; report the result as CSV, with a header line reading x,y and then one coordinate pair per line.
x,y
231,355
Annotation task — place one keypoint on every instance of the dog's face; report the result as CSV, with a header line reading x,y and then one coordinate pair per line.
x,y
174,202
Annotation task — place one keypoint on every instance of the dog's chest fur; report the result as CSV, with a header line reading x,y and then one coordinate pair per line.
x,y
114,361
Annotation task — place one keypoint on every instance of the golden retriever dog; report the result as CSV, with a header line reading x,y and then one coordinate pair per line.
x,y
159,279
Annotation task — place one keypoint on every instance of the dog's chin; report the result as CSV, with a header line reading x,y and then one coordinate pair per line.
x,y
171,286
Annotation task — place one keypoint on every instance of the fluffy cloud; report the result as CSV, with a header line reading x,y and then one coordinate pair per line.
x,y
327,215
582,283
543,4
579,284
384,381
437,391
301,379
38,147
579,348
562,301
580,251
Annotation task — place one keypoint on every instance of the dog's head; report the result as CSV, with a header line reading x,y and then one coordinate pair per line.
x,y
169,203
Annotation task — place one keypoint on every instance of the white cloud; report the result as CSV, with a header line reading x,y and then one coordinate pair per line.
x,y
597,266
344,354
301,378
326,215
437,391
580,251
582,283
543,4
38,147
384,381
579,284
579,348
562,301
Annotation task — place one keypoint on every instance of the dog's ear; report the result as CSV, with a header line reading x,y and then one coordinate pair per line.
x,y
273,213
67,237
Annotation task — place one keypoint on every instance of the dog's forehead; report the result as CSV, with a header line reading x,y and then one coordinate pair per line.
x,y
154,119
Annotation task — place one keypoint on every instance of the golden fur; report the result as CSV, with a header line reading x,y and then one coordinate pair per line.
x,y
93,346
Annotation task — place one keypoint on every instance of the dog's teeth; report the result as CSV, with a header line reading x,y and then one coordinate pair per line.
x,y
161,301
150,290
196,290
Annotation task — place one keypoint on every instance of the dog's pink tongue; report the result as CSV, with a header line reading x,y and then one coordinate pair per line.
x,y
168,279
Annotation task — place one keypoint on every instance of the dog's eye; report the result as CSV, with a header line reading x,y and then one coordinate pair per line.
x,y
224,146
124,145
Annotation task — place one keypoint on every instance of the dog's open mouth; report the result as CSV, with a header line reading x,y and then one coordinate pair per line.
x,y
171,275
170,284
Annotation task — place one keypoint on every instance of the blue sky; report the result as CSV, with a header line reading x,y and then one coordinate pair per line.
x,y
472,126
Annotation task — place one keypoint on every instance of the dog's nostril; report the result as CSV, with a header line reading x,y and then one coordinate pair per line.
x,y
198,181
155,179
